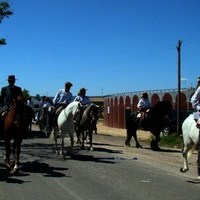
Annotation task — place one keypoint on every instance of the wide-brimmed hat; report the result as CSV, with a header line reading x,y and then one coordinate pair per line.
x,y
11,78
144,94
82,90
68,84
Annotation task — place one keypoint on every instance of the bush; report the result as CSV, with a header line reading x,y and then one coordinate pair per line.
x,y
172,141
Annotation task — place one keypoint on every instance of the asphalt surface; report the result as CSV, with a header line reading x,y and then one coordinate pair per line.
x,y
111,171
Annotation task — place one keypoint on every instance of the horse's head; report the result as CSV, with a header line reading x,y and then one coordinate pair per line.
x,y
18,102
90,114
94,112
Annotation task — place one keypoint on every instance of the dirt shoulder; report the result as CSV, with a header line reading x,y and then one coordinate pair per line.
x,y
105,130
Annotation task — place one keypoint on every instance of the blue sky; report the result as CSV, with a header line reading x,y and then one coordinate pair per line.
x,y
106,46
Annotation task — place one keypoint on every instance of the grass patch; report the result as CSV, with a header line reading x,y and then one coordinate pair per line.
x,y
172,141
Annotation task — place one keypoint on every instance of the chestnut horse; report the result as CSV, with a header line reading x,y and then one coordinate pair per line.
x,y
16,129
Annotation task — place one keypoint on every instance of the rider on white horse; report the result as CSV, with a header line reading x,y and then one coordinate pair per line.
x,y
63,97
195,100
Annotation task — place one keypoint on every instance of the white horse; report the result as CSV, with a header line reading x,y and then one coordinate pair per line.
x,y
66,125
191,141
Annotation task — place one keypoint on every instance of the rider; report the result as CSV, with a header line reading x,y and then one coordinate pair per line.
x,y
62,98
84,100
195,100
10,92
143,106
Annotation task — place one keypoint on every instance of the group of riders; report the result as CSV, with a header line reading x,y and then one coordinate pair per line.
x,y
49,109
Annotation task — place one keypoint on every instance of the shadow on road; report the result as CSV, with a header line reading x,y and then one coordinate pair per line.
x,y
43,168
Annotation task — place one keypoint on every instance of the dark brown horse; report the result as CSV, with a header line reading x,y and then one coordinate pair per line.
x,y
87,124
154,123
15,128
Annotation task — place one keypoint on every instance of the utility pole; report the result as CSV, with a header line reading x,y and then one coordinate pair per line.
x,y
179,86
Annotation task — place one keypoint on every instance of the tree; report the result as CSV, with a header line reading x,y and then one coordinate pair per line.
x,y
25,93
4,12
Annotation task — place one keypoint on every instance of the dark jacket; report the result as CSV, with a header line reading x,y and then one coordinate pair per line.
x,y
9,93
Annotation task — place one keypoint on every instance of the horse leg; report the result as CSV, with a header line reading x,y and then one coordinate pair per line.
x,y
130,134
90,139
71,143
83,139
154,142
62,153
17,150
55,137
7,154
185,167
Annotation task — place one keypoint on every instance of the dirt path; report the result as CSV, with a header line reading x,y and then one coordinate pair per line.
x,y
102,129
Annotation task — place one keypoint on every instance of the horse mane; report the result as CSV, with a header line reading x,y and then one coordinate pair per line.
x,y
86,112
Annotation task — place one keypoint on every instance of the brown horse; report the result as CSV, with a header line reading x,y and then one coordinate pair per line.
x,y
15,128
87,124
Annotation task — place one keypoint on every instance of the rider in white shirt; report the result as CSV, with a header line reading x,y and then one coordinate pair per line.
x,y
143,106
82,98
144,103
195,100
63,96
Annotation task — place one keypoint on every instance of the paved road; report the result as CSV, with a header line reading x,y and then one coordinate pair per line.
x,y
112,171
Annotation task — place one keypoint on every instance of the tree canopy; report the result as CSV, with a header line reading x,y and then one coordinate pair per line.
x,y
4,13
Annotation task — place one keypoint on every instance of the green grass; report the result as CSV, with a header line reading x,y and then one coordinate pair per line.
x,y
172,141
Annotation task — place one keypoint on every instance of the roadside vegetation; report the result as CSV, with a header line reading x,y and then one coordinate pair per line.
x,y
173,141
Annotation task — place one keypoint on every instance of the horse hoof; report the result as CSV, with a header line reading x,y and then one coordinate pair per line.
x,y
91,149
139,146
127,144
15,171
183,170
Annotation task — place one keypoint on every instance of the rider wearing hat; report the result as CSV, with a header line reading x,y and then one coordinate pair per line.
x,y
10,92
82,98
195,100
144,103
